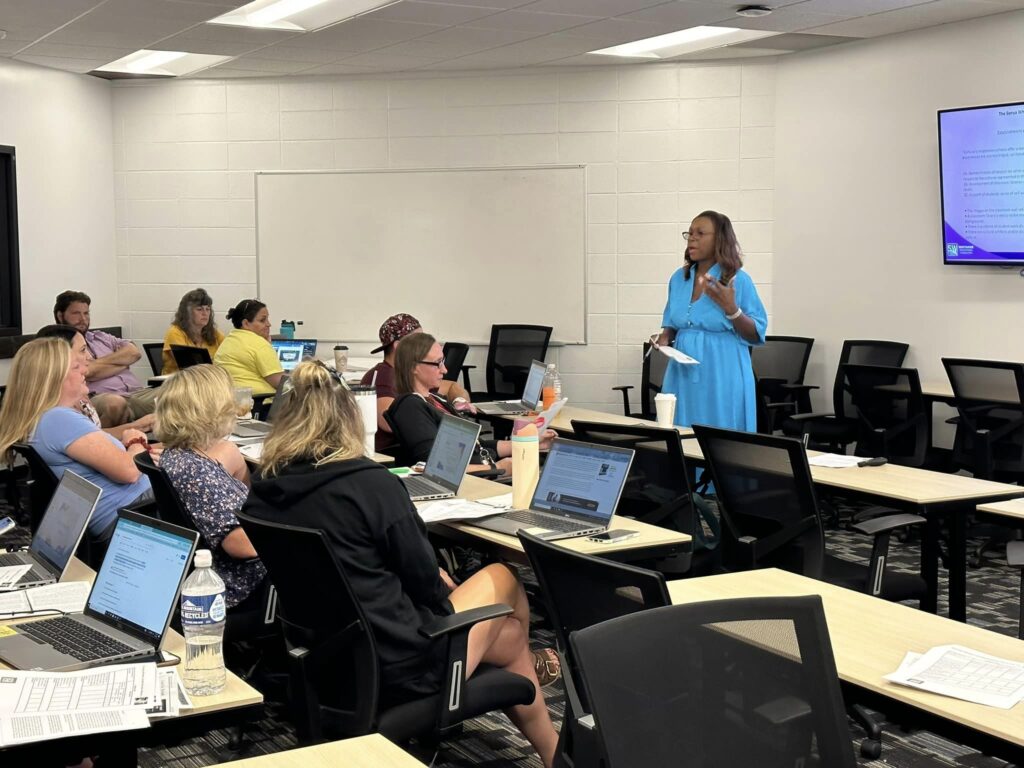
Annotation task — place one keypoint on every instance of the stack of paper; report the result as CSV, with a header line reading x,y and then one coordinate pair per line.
x,y
9,575
453,509
834,460
67,597
252,451
963,673
680,357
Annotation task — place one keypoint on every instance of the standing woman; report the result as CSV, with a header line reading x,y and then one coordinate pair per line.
x,y
193,326
246,352
714,315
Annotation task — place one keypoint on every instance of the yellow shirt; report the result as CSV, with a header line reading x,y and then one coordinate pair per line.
x,y
249,358
178,337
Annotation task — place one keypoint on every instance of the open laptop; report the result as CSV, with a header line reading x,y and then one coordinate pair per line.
x,y
531,396
291,352
446,465
578,491
128,609
259,429
59,532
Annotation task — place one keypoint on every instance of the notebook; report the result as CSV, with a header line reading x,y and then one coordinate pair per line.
x,y
291,352
128,609
531,396
446,465
578,491
59,532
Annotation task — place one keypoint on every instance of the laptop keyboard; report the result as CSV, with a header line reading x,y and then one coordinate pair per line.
x,y
11,559
547,522
75,639
417,486
508,407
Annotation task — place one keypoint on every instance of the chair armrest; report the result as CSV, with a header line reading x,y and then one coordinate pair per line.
x,y
622,388
468,368
878,525
445,625
810,416
782,406
487,474
799,387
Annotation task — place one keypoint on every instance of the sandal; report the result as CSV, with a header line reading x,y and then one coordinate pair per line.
x,y
547,666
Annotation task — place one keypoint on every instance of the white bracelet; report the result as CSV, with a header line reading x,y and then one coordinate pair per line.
x,y
735,314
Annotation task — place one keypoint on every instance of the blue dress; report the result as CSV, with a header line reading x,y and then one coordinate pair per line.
x,y
720,390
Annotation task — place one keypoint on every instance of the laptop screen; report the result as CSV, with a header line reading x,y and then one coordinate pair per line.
x,y
582,479
534,385
451,452
64,521
138,582
291,352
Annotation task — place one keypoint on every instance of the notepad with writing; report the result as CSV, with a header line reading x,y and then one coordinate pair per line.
x,y
67,596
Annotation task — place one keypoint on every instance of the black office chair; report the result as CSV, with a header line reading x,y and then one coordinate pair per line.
x,y
838,429
155,354
41,483
779,368
186,357
335,670
580,591
719,683
454,361
652,374
893,419
511,350
770,516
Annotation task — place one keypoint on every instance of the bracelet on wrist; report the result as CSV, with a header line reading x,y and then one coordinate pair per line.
x,y
138,441
735,314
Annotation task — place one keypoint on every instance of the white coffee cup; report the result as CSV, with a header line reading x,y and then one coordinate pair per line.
x,y
340,358
665,407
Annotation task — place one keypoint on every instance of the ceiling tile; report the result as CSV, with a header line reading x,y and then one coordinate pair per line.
x,y
683,15
601,8
81,66
615,31
308,55
365,33
132,23
468,40
338,68
790,19
431,13
501,5
916,17
535,23
31,19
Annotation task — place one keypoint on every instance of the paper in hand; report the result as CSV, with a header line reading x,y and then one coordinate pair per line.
x,y
674,354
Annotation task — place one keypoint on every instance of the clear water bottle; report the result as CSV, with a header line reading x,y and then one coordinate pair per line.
x,y
202,621
552,388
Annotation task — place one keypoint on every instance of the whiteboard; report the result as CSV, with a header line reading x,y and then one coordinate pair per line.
x,y
459,249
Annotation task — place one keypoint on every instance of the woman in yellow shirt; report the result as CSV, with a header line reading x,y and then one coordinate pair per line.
x,y
246,352
193,326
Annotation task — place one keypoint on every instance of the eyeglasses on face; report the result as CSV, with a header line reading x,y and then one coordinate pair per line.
x,y
696,234
435,363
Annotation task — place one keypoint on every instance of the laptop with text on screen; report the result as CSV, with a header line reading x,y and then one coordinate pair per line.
x,y
291,352
59,532
446,465
531,395
577,494
128,609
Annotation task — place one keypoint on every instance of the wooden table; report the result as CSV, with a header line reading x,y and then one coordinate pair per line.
x,y
237,703
1012,509
652,543
869,639
373,751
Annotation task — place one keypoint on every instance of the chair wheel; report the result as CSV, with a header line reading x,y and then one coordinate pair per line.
x,y
871,749
974,561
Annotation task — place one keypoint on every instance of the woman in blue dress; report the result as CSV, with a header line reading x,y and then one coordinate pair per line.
x,y
714,315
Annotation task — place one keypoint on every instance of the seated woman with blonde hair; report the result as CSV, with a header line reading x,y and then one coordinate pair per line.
x,y
196,409
314,474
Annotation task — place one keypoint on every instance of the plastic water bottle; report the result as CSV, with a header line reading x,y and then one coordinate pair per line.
x,y
202,621
552,388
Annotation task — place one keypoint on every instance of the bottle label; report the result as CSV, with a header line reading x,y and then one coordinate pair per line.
x,y
200,610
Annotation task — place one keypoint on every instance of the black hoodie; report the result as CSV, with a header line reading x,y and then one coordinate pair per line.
x,y
381,544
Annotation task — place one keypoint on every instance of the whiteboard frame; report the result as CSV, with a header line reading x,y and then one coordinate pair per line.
x,y
357,171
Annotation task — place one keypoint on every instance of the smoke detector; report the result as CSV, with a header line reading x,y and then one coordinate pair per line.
x,y
753,11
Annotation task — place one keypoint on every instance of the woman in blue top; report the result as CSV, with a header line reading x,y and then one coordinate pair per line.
x,y
714,315
45,391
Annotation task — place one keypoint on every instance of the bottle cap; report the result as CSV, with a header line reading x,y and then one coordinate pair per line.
x,y
203,558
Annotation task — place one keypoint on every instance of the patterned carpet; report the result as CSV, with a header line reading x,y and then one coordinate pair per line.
x,y
993,597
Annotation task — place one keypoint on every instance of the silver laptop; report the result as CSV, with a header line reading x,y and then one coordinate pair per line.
x,y
446,465
578,491
128,609
260,429
291,352
59,533
531,396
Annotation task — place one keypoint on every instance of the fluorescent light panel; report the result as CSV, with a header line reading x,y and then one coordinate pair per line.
x,y
164,63
297,15
682,42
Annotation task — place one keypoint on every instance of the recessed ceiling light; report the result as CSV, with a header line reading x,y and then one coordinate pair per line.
x,y
162,63
297,15
682,42
753,11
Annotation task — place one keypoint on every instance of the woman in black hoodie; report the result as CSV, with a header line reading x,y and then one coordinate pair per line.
x,y
314,474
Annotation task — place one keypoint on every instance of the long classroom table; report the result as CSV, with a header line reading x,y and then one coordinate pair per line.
x,y
869,639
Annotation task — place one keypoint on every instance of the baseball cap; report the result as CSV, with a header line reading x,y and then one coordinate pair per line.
x,y
395,328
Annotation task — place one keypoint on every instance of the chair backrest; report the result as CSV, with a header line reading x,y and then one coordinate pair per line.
x,y
343,655
454,356
864,352
512,349
169,506
782,358
186,357
155,354
718,683
42,482
892,415
658,488
400,448
764,491
652,375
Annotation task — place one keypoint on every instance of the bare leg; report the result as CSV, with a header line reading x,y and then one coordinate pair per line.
x,y
504,643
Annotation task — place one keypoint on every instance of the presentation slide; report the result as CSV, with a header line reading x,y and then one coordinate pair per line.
x,y
982,160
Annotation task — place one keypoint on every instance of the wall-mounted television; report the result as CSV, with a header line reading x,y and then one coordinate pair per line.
x,y
981,173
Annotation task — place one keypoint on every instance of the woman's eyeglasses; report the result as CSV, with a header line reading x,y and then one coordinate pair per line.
x,y
695,235
434,363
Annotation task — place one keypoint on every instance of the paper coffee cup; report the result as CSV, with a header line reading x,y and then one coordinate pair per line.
x,y
665,408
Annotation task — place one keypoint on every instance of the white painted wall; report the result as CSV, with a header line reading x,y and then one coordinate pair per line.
x,y
857,197
661,144
60,124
